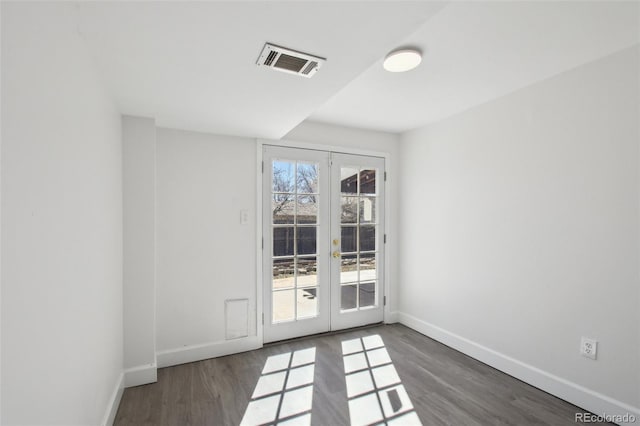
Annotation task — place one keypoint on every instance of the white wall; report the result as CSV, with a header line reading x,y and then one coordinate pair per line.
x,y
360,139
520,231
61,224
204,255
139,180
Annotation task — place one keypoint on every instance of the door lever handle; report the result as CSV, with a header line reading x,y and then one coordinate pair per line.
x,y
336,254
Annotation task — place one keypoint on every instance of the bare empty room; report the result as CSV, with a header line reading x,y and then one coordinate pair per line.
x,y
319,213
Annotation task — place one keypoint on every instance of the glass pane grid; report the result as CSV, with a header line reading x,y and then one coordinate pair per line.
x,y
358,181
295,221
359,296
355,295
295,192
359,226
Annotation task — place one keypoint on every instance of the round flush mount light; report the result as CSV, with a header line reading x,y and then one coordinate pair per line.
x,y
402,60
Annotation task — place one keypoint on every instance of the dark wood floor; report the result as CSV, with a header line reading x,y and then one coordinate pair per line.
x,y
444,386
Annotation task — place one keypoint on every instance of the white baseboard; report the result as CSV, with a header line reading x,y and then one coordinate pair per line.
x,y
193,353
140,375
114,402
580,396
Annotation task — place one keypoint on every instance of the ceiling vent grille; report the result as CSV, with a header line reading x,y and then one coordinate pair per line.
x,y
289,61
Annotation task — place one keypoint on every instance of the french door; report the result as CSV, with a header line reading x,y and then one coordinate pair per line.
x,y
323,217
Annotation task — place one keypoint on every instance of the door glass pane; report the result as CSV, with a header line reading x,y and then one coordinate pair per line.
x,y
306,241
349,296
349,239
367,210
283,241
307,302
307,209
368,267
349,268
368,181
283,176
295,202
283,209
283,305
283,273
358,187
367,293
367,238
349,210
349,180
307,178
307,272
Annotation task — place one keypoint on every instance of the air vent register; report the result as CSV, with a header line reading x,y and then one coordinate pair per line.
x,y
289,61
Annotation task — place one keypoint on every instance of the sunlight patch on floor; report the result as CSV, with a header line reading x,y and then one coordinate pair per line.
x,y
374,389
284,392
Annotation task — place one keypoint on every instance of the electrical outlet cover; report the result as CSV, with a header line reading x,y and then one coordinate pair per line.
x,y
589,348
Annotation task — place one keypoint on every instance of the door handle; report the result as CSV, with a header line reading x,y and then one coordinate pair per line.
x,y
336,254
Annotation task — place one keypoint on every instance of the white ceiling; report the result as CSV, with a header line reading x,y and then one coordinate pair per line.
x,y
191,65
478,51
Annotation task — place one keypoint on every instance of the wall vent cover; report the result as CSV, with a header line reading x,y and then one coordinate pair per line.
x,y
289,61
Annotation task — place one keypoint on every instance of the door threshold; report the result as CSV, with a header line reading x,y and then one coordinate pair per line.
x,y
326,333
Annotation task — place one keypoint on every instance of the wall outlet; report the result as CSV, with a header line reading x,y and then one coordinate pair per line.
x,y
588,348
244,217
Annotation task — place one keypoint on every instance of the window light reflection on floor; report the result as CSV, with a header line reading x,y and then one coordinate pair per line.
x,y
283,394
374,389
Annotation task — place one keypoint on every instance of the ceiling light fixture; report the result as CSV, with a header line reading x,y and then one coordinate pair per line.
x,y
402,60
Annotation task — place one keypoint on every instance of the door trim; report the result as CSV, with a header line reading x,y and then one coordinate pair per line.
x,y
387,314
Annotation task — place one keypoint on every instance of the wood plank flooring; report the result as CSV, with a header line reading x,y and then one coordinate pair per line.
x,y
446,387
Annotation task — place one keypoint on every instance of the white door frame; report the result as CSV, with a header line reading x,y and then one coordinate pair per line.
x,y
388,285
